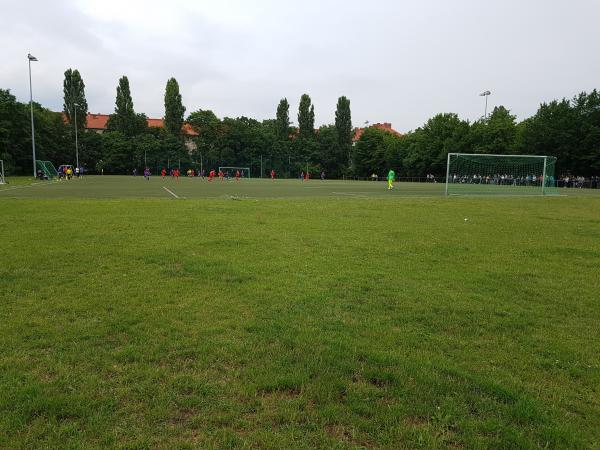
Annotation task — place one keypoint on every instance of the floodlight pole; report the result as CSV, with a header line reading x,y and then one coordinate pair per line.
x,y
30,58
75,105
486,95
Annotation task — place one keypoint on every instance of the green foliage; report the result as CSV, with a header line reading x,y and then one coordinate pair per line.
x,y
174,109
53,140
343,122
125,120
569,130
496,134
371,153
306,117
74,94
283,120
426,148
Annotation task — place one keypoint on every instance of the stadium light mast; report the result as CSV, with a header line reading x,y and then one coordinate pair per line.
x,y
30,58
485,94
75,105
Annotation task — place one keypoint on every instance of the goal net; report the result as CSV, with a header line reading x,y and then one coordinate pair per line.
x,y
2,180
47,169
230,171
474,174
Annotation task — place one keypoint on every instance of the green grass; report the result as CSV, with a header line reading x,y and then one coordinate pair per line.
x,y
312,320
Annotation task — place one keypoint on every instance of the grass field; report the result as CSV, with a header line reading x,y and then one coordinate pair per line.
x,y
296,315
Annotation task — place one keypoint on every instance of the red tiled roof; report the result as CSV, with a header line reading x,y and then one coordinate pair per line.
x,y
100,121
386,126
96,121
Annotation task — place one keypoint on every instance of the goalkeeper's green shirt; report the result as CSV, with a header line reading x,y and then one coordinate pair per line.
x,y
391,175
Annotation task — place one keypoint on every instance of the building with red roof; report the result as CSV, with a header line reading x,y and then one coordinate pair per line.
x,y
98,123
386,126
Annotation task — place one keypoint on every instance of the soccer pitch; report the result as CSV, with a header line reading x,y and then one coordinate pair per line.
x,y
123,187
285,314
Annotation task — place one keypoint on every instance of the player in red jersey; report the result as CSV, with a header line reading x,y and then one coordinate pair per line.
x,y
237,175
211,175
273,174
221,175
163,173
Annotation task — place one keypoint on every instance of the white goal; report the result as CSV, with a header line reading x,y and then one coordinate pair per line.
x,y
489,174
244,171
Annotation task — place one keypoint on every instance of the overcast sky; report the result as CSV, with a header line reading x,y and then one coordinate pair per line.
x,y
397,61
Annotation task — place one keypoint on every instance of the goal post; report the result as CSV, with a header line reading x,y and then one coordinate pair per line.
x,y
47,169
2,180
486,174
244,171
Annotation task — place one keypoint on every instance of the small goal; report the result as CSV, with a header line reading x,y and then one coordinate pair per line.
x,y
244,171
484,174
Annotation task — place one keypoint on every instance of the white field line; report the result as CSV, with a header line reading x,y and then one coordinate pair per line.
x,y
23,187
171,192
352,194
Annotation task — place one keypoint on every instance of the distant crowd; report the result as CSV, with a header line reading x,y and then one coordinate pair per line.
x,y
568,181
502,179
565,181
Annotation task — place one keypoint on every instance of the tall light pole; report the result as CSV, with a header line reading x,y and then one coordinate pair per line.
x,y
486,95
75,105
30,58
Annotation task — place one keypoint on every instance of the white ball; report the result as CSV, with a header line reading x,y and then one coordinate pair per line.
x,y
466,219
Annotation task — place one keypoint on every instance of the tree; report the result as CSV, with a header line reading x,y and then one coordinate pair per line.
x,y
15,134
174,109
343,125
74,94
124,119
495,134
283,119
306,117
343,122
369,153
426,149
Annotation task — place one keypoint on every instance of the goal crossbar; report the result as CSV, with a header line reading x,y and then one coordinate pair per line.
x,y
499,156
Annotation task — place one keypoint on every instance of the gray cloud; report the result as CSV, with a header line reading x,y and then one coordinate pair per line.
x,y
397,61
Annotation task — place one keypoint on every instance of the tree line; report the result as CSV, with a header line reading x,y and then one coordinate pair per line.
x,y
568,129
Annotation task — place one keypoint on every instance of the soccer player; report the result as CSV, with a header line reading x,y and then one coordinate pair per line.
x,y
302,176
391,176
221,175
323,175
237,175
163,173
211,175
177,173
273,174
147,174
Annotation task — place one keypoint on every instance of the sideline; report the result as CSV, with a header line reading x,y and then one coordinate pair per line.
x,y
23,187
171,192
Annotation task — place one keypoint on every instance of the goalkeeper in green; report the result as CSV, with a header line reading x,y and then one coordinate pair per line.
x,y
391,176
